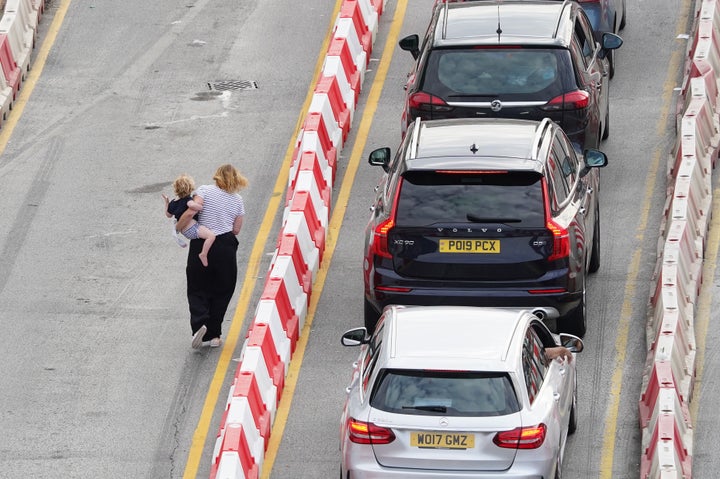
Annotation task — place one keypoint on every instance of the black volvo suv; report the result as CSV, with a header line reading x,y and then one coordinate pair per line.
x,y
484,212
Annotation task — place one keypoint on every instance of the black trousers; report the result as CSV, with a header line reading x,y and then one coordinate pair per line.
x,y
210,289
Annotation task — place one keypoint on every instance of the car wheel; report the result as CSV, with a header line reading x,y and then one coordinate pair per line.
x,y
575,322
595,251
371,317
611,63
606,129
558,469
572,425
622,20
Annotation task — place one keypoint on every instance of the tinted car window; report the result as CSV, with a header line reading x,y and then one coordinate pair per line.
x,y
495,72
534,363
371,357
444,393
428,197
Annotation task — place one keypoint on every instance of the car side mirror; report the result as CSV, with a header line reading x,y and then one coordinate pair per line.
x,y
411,44
573,343
355,337
380,157
593,159
609,41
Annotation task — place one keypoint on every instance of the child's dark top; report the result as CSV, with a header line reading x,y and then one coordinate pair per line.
x,y
178,207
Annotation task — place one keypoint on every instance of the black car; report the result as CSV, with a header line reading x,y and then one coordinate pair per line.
x,y
512,59
484,212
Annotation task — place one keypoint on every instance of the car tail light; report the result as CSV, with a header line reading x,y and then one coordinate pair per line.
x,y
561,241
426,102
380,238
561,237
521,437
574,100
361,432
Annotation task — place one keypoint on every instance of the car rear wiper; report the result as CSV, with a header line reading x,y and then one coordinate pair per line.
x,y
473,95
433,408
479,219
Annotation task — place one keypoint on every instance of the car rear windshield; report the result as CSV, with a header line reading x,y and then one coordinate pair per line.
x,y
454,393
523,73
428,198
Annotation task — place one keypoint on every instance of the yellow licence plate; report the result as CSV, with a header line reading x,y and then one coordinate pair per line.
x,y
469,246
452,440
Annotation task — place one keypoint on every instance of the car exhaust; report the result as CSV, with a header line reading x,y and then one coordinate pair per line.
x,y
546,313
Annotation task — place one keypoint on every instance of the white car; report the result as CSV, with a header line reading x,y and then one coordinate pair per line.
x,y
458,392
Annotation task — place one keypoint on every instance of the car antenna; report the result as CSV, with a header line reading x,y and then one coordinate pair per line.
x,y
499,30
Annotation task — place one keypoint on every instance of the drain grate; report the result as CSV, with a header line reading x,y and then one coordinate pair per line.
x,y
233,85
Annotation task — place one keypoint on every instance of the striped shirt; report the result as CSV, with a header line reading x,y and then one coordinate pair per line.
x,y
220,208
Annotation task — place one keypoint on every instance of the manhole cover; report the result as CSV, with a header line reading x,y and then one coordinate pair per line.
x,y
233,85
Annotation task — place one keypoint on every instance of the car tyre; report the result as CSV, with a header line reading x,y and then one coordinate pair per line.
x,y
606,128
611,63
575,322
371,317
572,425
623,20
595,251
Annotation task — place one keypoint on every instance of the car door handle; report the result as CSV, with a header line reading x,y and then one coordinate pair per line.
x,y
582,210
590,190
556,396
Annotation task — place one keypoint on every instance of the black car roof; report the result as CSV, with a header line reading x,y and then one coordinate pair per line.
x,y
518,22
477,143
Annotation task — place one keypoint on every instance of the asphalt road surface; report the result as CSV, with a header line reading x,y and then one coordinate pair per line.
x,y
98,378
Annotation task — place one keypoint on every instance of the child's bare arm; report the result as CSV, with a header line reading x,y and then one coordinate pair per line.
x,y
166,200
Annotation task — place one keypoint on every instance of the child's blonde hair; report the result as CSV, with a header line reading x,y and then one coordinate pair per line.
x,y
229,179
183,185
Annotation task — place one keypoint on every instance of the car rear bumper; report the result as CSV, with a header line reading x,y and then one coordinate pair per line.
x,y
553,305
374,471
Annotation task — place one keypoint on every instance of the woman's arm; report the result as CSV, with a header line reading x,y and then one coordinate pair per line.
x,y
237,224
195,205
187,216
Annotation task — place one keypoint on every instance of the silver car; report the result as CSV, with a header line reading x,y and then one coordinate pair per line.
x,y
458,392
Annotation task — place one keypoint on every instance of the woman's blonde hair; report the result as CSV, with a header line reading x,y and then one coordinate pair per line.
x,y
183,185
229,179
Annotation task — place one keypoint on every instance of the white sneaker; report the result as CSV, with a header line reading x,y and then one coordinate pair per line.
x,y
180,240
215,342
198,336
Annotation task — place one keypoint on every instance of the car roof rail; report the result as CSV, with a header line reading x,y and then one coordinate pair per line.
x,y
565,4
415,139
539,133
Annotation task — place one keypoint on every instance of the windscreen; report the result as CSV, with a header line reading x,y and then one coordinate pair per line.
x,y
524,73
429,198
453,393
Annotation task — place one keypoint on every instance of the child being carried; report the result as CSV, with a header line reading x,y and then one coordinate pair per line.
x,y
184,185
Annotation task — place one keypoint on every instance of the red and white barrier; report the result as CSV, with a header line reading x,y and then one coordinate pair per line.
x,y
281,311
670,369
